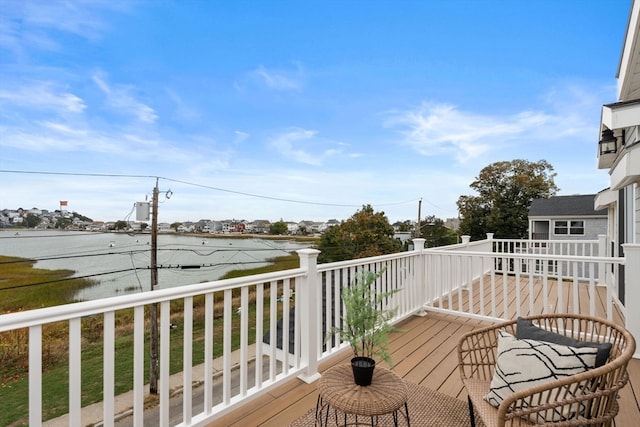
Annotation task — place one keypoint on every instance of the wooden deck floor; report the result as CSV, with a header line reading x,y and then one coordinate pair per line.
x,y
423,353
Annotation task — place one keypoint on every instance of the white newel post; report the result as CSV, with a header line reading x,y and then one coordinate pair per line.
x,y
308,312
632,291
602,253
465,239
418,247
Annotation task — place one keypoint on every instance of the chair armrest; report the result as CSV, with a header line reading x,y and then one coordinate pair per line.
x,y
477,351
582,396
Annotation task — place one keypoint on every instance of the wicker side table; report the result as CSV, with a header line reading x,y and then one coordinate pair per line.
x,y
338,393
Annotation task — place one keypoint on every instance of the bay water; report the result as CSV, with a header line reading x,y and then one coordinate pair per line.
x,y
119,263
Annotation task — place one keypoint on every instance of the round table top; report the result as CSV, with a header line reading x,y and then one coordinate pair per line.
x,y
386,393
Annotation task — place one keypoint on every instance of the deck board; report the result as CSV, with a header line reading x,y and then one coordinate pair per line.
x,y
424,352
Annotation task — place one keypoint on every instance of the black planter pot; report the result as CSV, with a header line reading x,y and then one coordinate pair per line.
x,y
363,370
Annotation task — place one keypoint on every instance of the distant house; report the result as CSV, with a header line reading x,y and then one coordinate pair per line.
x,y
307,227
566,218
452,223
186,227
326,225
403,236
260,226
164,227
292,227
234,226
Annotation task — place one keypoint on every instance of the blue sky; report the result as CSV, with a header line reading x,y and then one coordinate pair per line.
x,y
297,109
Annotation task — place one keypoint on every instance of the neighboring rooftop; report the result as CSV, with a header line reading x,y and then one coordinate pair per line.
x,y
577,205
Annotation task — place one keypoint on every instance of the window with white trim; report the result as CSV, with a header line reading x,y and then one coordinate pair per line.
x,y
573,228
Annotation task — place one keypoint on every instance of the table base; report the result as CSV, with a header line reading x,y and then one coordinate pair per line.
x,y
323,411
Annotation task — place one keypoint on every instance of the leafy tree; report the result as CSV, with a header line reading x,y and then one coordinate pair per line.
x,y
120,225
505,191
143,226
474,215
175,226
32,220
81,217
278,227
63,222
366,233
404,225
435,233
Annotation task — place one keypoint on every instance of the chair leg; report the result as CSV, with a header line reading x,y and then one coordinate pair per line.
x,y
471,414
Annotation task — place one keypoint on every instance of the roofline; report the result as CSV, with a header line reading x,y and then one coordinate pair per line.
x,y
626,36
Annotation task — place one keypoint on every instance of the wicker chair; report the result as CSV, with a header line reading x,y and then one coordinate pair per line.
x,y
596,389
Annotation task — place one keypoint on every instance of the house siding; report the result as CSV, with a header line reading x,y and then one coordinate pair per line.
x,y
592,228
637,213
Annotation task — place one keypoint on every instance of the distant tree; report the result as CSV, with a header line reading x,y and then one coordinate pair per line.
x,y
474,214
505,192
404,226
120,225
32,220
63,222
81,217
143,226
175,226
278,228
366,233
435,233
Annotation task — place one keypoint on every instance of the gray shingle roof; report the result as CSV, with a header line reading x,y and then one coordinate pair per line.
x,y
581,205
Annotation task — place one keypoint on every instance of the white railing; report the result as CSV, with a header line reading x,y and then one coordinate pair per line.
x,y
456,278
402,271
548,247
230,303
260,330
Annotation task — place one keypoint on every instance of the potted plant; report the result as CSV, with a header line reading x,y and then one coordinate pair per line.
x,y
365,325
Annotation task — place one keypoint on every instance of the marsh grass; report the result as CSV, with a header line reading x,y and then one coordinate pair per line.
x,y
23,287
14,350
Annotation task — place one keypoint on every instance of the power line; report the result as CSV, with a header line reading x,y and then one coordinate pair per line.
x,y
104,175
209,187
140,251
161,266
88,276
277,198
80,255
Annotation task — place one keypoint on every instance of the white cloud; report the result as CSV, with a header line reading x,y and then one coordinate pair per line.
x,y
33,24
43,96
119,98
183,110
442,128
301,145
240,136
284,80
288,145
64,129
78,18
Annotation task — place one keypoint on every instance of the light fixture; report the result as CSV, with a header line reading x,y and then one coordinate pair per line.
x,y
607,143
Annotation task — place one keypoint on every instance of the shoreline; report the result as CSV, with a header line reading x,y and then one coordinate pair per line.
x,y
173,233
249,236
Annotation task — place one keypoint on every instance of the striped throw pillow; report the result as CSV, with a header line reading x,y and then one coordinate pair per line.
x,y
524,363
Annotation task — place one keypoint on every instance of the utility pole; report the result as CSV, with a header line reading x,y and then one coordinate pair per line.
x,y
153,347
